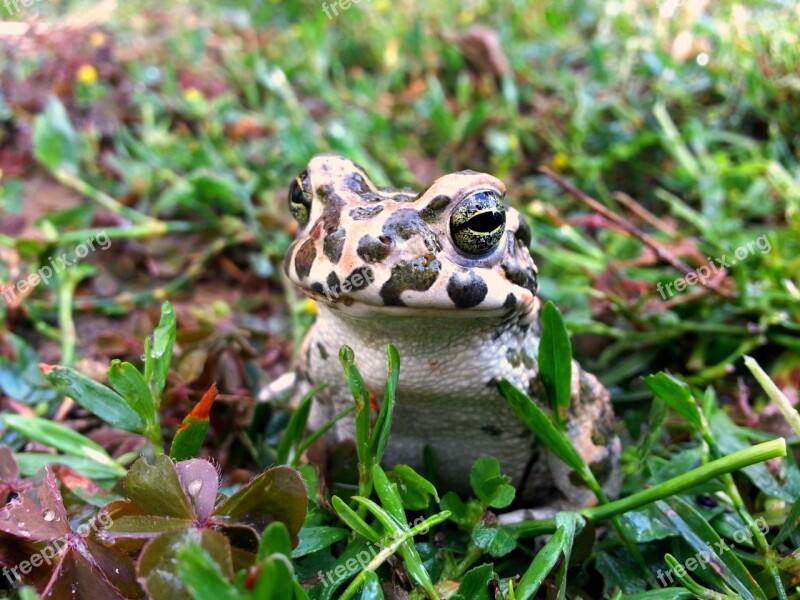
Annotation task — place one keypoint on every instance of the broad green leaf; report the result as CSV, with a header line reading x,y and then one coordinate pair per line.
x,y
102,474
491,487
274,540
570,522
494,540
677,396
371,590
475,584
277,494
541,566
202,576
62,438
54,138
20,376
542,427
313,539
387,492
413,488
131,385
712,551
98,399
156,489
555,362
158,352
158,565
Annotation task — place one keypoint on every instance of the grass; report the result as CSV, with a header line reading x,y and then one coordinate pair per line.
x,y
175,130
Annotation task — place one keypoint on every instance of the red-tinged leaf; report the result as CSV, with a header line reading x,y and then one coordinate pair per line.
x,y
200,482
156,489
76,576
278,494
77,482
9,475
37,514
9,471
192,431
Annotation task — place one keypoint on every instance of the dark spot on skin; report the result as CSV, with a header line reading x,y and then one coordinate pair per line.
x,y
347,300
374,250
435,208
418,275
523,234
402,198
466,289
333,245
304,258
332,281
527,359
519,268
355,182
317,288
333,204
492,430
360,278
405,224
323,353
511,300
520,275
598,439
362,213
513,357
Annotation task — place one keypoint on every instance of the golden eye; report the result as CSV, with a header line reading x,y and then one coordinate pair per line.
x,y
478,222
300,198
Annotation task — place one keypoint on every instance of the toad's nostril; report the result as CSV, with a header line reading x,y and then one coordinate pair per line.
x,y
386,240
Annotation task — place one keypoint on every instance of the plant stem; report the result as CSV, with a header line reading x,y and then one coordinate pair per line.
x,y
676,485
74,182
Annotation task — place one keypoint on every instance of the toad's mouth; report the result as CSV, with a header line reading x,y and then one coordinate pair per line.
x,y
371,307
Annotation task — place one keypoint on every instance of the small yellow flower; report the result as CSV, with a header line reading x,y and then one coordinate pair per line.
x,y
87,75
310,306
192,94
466,17
383,6
97,39
560,161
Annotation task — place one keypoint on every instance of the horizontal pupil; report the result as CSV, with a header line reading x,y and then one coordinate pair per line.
x,y
485,222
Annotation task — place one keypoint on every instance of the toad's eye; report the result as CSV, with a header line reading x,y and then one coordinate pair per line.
x,y
300,198
477,223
